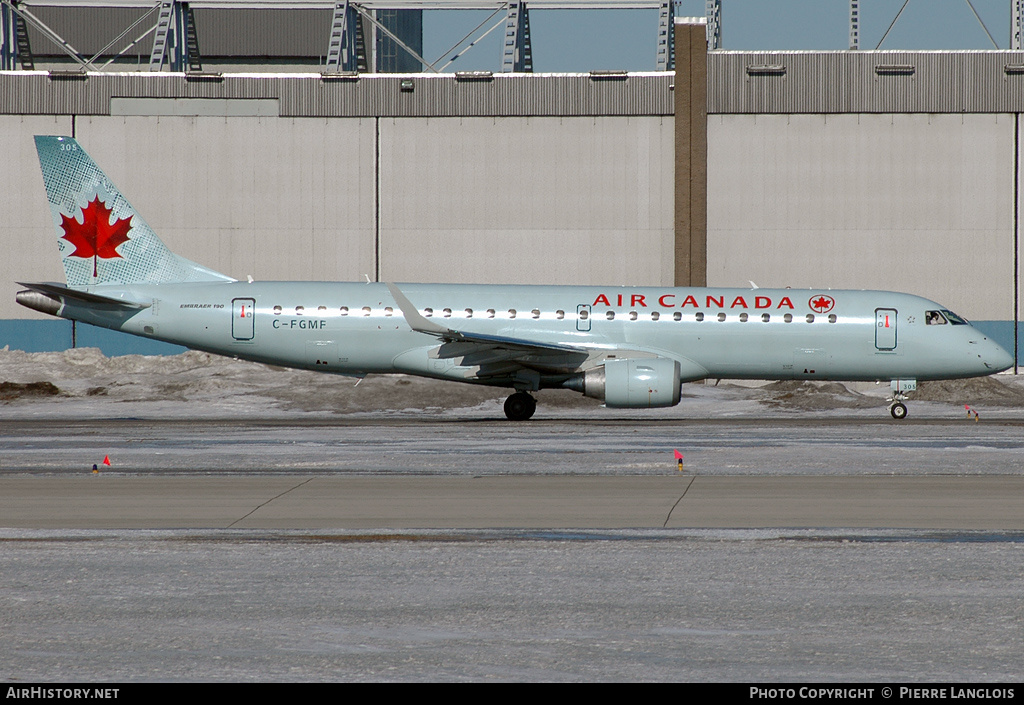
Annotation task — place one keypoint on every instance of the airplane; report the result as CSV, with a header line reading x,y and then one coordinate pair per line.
x,y
630,347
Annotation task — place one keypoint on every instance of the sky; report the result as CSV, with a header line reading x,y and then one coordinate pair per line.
x,y
586,40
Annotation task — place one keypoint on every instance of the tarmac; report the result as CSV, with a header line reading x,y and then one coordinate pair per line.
x,y
513,502
244,531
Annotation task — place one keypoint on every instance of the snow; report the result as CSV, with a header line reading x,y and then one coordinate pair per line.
x,y
196,384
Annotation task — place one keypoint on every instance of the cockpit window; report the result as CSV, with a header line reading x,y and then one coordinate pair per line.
x,y
934,318
955,319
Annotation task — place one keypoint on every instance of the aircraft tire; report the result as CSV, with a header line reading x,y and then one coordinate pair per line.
x,y
898,411
520,406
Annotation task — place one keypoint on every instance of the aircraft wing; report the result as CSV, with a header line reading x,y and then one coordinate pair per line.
x,y
477,342
496,355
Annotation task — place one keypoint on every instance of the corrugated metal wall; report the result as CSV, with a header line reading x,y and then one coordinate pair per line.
x,y
865,82
378,95
738,83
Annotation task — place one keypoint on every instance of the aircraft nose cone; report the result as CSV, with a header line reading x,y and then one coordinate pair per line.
x,y
996,358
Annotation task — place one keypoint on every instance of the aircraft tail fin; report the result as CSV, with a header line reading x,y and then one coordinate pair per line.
x,y
102,239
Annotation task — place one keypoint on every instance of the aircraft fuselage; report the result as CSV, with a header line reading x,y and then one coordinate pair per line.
x,y
353,328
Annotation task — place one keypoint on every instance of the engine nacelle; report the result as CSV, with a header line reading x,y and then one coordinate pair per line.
x,y
634,383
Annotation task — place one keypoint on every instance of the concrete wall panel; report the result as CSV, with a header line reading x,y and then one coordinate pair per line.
x,y
277,198
29,249
530,200
914,202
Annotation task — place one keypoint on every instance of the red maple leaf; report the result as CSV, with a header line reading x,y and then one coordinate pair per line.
x,y
822,304
96,236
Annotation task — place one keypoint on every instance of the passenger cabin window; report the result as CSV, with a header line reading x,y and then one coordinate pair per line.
x,y
366,310
511,313
632,315
765,317
535,313
788,318
322,310
610,315
277,310
388,310
721,317
447,313
584,314
810,318
832,318
934,318
490,313
559,314
699,316
743,318
299,310
428,312
678,316
469,313
655,315
344,310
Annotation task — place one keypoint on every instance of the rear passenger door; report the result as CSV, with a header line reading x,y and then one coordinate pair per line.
x,y
243,319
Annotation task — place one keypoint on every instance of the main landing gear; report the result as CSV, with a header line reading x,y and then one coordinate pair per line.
x,y
520,406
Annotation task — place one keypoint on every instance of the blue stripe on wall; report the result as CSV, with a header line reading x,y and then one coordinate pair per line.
x,y
55,336
35,336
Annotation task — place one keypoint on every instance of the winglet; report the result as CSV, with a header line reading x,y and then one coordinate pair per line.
x,y
416,320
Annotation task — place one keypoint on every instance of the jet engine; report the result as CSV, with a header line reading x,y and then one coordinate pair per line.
x,y
632,383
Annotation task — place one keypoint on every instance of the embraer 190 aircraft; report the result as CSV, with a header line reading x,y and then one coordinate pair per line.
x,y
631,347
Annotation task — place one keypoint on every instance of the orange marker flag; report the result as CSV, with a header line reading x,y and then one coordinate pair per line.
x,y
106,460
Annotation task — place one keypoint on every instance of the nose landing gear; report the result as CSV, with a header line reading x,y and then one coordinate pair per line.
x,y
900,387
520,406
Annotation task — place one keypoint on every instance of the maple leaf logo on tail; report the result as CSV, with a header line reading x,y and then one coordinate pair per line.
x,y
96,236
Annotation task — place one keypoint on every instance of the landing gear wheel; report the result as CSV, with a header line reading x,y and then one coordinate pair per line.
x,y
520,406
898,411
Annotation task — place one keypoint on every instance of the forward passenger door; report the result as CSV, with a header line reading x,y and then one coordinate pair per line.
x,y
885,329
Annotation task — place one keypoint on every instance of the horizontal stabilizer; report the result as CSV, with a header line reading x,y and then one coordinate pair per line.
x,y
63,294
